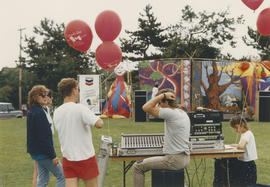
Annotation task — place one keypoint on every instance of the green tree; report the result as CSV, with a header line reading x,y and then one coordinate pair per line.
x,y
200,34
5,93
146,42
50,58
261,43
9,81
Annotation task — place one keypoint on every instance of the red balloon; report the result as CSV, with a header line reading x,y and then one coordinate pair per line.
x,y
108,25
108,55
263,24
252,4
78,35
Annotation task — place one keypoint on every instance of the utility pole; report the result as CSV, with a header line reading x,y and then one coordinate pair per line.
x,y
20,69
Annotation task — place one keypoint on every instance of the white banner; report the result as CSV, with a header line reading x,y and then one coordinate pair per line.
x,y
89,92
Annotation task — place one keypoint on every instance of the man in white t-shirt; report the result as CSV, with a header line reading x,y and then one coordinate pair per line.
x,y
176,136
72,122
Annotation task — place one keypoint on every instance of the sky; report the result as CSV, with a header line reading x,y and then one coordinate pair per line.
x,y
26,14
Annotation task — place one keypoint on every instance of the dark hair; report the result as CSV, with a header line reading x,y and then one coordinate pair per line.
x,y
34,93
50,93
172,103
156,84
66,85
238,120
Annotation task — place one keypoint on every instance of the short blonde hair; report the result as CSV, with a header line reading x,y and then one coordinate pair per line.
x,y
66,85
33,94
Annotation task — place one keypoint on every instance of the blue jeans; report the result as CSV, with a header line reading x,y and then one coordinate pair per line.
x,y
44,167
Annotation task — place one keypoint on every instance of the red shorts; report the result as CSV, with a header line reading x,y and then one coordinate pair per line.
x,y
84,169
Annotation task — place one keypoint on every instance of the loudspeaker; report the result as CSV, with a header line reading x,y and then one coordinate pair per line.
x,y
168,178
140,100
264,103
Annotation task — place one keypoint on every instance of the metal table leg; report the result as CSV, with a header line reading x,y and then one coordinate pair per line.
x,y
124,174
125,170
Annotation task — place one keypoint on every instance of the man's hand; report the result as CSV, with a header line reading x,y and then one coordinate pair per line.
x,y
170,96
99,123
55,161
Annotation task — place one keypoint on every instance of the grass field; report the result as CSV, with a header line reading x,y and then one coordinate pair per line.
x,y
16,167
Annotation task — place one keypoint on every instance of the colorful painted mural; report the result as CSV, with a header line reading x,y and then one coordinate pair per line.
x,y
166,73
254,77
220,87
233,86
227,86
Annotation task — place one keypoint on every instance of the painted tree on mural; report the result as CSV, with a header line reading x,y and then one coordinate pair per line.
x,y
214,90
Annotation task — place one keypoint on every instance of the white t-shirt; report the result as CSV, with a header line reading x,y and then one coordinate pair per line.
x,y
177,131
72,122
48,115
250,148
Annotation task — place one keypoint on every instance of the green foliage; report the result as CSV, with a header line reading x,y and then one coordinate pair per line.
x,y
198,34
9,74
261,43
5,93
29,79
149,34
9,85
50,58
9,81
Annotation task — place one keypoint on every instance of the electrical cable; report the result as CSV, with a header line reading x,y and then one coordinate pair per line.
x,y
196,172
187,176
204,171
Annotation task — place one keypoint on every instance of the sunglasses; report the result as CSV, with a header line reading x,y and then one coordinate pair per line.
x,y
50,96
43,95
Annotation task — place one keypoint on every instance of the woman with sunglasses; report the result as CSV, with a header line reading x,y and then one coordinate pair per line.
x,y
48,110
40,140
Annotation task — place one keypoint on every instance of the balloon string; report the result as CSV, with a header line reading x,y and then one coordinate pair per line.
x,y
244,103
109,130
108,122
